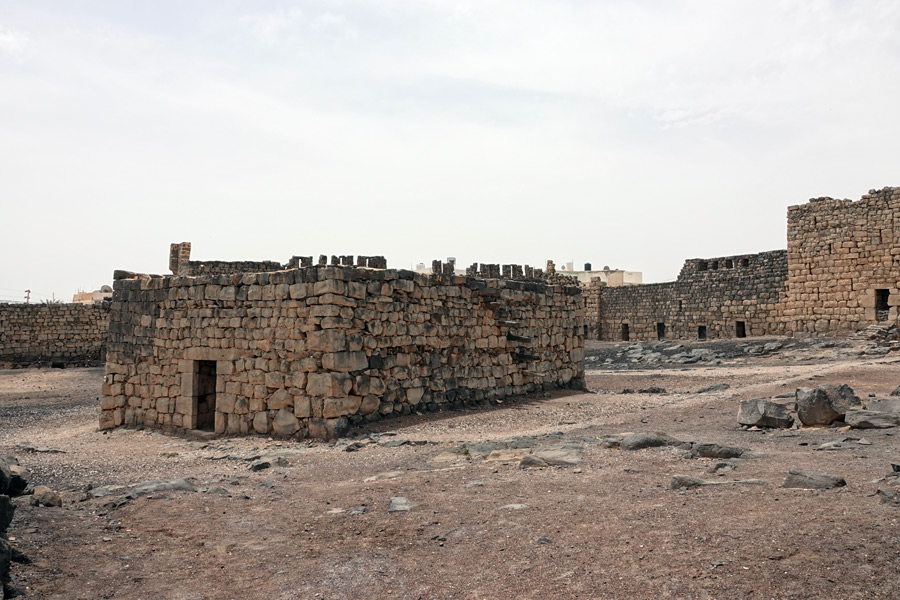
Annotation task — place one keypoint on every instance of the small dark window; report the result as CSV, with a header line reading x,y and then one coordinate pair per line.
x,y
740,329
660,331
882,305
745,262
715,265
681,305
729,264
702,265
701,332
625,333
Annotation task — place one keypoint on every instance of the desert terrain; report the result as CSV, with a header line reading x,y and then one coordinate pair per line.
x,y
533,497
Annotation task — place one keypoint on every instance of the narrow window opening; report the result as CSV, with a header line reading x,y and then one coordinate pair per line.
x,y
740,329
715,265
681,305
702,265
745,262
701,332
660,331
882,305
626,336
206,394
729,264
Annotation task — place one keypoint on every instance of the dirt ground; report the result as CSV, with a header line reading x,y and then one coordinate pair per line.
x,y
315,523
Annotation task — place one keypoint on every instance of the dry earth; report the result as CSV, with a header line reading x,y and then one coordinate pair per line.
x,y
315,524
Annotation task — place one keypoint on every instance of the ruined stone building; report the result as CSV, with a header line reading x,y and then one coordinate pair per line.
x,y
307,349
53,334
840,273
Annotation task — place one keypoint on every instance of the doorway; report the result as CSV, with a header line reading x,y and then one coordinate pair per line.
x,y
205,382
626,336
660,331
701,332
882,305
740,329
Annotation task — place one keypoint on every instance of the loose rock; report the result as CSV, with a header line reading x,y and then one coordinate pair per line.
x,y
812,480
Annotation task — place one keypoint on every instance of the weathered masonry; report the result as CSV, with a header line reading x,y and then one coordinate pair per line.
x,y
840,273
732,296
309,350
53,334
843,263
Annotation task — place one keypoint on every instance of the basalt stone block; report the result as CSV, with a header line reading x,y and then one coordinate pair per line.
x,y
763,413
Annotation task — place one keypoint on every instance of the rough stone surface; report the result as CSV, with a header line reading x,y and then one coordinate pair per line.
x,y
307,350
716,451
44,496
825,404
868,419
638,441
764,413
812,480
53,334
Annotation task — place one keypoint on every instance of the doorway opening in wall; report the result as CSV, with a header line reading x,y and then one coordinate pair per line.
x,y
625,333
740,329
660,331
205,382
882,304
701,332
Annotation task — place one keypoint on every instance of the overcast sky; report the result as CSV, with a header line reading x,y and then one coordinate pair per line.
x,y
633,134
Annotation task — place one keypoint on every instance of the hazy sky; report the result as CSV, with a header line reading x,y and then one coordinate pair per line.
x,y
633,134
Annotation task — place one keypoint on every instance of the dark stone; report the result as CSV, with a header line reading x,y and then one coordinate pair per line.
x,y
868,419
825,404
638,441
812,480
716,451
653,389
7,509
896,391
716,387
762,413
685,481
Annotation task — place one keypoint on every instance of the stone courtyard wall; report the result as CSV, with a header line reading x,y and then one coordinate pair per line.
x,y
715,293
839,253
309,351
44,334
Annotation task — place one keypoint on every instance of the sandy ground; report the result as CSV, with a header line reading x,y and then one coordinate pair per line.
x,y
315,524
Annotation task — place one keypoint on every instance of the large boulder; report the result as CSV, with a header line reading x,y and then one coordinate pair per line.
x,y
825,404
763,413
870,419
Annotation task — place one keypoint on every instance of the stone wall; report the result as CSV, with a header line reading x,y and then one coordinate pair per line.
x,y
721,297
180,263
840,254
309,351
44,334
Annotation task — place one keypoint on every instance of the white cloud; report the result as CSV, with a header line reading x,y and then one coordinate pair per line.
x,y
12,42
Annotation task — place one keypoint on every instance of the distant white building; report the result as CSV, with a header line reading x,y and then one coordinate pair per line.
x,y
611,277
95,297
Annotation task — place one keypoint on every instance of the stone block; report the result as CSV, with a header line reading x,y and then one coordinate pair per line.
x,y
345,361
280,399
329,385
327,340
339,407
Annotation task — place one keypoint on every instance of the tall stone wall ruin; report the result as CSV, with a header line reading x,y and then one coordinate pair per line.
x,y
840,273
48,334
843,263
724,297
308,351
